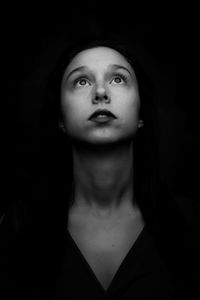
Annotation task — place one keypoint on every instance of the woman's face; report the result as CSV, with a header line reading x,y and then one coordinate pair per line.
x,y
100,78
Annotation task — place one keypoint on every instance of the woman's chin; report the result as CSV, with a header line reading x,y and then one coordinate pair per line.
x,y
98,138
103,139
102,142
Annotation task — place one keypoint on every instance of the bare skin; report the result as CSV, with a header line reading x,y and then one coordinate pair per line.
x,y
104,227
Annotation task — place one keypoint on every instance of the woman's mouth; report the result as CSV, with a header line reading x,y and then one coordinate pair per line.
x,y
102,116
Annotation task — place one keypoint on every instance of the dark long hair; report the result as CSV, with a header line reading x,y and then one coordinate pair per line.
x,y
146,176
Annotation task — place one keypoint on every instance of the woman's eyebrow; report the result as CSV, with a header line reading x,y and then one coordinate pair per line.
x,y
116,66
112,66
78,69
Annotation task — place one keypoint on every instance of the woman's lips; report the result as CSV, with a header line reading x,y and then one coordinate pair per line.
x,y
102,119
102,114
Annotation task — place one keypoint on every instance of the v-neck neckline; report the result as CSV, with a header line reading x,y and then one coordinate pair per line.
x,y
116,275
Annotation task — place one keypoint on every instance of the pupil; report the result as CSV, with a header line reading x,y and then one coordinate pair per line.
x,y
117,79
82,82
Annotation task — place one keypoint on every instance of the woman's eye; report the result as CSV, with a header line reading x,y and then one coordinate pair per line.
x,y
118,79
81,82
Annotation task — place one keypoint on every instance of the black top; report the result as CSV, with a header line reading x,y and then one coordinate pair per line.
x,y
44,263
141,275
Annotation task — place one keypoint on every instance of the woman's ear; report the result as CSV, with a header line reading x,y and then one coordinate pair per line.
x,y
61,126
140,123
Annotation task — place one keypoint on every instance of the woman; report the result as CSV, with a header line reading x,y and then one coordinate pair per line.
x,y
94,232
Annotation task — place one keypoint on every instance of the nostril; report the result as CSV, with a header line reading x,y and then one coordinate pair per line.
x,y
103,97
97,97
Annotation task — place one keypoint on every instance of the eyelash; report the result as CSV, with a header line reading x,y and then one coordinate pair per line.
x,y
122,76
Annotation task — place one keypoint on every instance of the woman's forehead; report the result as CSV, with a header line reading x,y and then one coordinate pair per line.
x,y
98,57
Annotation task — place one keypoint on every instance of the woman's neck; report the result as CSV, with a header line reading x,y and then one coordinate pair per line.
x,y
103,177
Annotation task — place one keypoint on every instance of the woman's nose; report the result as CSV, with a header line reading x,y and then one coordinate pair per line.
x,y
100,94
